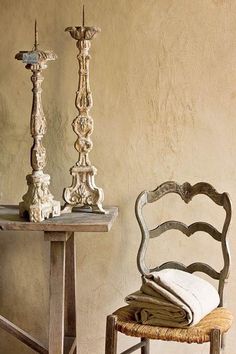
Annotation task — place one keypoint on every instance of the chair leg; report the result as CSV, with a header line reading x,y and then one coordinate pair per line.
x,y
146,348
111,335
223,343
215,345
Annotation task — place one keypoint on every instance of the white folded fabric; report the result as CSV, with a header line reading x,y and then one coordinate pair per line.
x,y
173,298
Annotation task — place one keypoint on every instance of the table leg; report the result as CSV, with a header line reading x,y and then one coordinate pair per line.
x,y
70,298
57,291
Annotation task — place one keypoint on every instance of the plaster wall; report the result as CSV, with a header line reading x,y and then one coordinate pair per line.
x,y
163,77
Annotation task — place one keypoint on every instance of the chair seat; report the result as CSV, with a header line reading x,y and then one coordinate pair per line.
x,y
220,318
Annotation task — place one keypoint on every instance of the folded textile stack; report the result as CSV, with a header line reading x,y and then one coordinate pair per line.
x,y
173,298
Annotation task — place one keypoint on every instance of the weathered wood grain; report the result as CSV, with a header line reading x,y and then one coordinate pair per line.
x,y
73,348
23,336
185,229
57,297
74,222
69,345
215,342
193,267
111,335
60,233
186,191
70,302
134,348
57,236
146,348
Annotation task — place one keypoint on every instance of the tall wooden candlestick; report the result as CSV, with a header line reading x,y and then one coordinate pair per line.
x,y
83,192
38,203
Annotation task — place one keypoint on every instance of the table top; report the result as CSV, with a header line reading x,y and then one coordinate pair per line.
x,y
75,221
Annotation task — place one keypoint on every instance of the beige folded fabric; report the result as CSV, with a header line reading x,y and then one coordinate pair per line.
x,y
173,298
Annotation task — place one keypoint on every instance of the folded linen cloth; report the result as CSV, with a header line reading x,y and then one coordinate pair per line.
x,y
173,298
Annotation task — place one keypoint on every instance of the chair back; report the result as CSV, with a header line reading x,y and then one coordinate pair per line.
x,y
186,192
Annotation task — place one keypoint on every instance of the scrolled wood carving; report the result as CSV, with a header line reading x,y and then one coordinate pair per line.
x,y
83,192
38,203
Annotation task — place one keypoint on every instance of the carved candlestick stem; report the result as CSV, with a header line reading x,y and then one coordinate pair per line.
x,y
83,192
38,203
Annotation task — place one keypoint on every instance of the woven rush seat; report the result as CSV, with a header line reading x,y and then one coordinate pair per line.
x,y
220,318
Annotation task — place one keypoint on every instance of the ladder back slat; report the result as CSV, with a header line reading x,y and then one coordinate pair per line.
x,y
187,230
186,191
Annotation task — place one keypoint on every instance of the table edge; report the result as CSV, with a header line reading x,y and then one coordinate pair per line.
x,y
30,226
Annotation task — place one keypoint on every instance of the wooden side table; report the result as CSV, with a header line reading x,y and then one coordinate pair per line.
x,y
59,232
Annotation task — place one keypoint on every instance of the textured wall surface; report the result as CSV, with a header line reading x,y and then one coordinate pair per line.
x,y
163,77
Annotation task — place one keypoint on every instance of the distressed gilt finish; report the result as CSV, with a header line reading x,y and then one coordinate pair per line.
x,y
212,327
83,192
38,203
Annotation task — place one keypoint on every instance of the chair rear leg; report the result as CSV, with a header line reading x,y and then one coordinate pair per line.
x,y
215,345
111,335
146,348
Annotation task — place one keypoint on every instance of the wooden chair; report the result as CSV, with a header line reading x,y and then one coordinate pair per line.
x,y
213,326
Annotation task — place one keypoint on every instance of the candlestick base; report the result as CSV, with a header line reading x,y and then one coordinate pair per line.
x,y
83,192
38,203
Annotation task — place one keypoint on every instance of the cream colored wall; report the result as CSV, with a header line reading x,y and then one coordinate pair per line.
x,y
163,76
